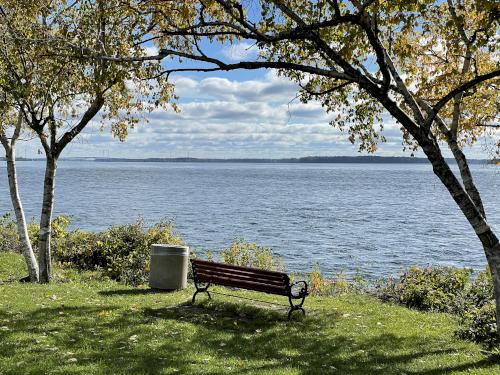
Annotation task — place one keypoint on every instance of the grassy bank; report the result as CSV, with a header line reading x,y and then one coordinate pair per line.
x,y
81,324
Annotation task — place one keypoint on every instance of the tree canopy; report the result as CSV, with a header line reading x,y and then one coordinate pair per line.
x,y
58,95
38,73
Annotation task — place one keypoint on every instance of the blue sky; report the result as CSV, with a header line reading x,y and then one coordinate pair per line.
x,y
239,114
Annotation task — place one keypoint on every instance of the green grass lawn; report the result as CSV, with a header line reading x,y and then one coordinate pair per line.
x,y
83,325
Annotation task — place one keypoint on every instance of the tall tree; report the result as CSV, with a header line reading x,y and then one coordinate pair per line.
x,y
59,96
10,131
433,66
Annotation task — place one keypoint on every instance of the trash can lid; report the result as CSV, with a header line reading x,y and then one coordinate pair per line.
x,y
166,249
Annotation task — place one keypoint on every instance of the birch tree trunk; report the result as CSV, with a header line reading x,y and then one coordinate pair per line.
x,y
53,150
472,208
493,257
44,251
465,195
22,229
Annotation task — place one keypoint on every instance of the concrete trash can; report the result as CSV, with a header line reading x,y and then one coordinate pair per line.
x,y
169,266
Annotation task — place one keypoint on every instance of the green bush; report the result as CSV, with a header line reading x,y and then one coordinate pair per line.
x,y
9,239
80,250
247,254
432,289
121,253
451,290
479,291
478,324
478,317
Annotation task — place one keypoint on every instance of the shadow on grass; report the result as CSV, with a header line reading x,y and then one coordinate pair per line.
x,y
227,315
133,292
260,339
12,280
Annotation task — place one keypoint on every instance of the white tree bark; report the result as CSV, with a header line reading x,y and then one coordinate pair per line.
x,y
53,149
22,228
493,256
44,250
466,196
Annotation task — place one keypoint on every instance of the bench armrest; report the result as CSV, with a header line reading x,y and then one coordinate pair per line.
x,y
298,289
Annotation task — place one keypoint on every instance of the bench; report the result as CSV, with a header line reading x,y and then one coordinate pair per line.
x,y
271,282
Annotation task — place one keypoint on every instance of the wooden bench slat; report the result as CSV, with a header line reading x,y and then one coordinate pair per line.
x,y
242,284
248,269
243,273
241,277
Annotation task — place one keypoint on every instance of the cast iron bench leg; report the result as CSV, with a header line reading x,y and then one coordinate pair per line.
x,y
295,307
203,290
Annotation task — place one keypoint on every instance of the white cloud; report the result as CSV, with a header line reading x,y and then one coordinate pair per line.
x,y
221,117
271,88
225,118
240,51
150,50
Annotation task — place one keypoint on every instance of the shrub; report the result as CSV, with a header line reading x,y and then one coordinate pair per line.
x,y
321,285
9,239
479,325
247,254
60,225
449,290
318,284
126,249
478,317
80,250
121,253
431,289
479,291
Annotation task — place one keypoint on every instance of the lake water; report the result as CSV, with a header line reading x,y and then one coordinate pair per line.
x,y
378,218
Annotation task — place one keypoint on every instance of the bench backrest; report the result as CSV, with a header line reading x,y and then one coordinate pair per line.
x,y
241,277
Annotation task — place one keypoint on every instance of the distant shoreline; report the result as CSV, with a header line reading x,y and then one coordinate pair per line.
x,y
303,160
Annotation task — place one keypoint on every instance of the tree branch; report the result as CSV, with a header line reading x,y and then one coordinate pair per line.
x,y
89,114
17,129
328,91
463,87
461,160
368,24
